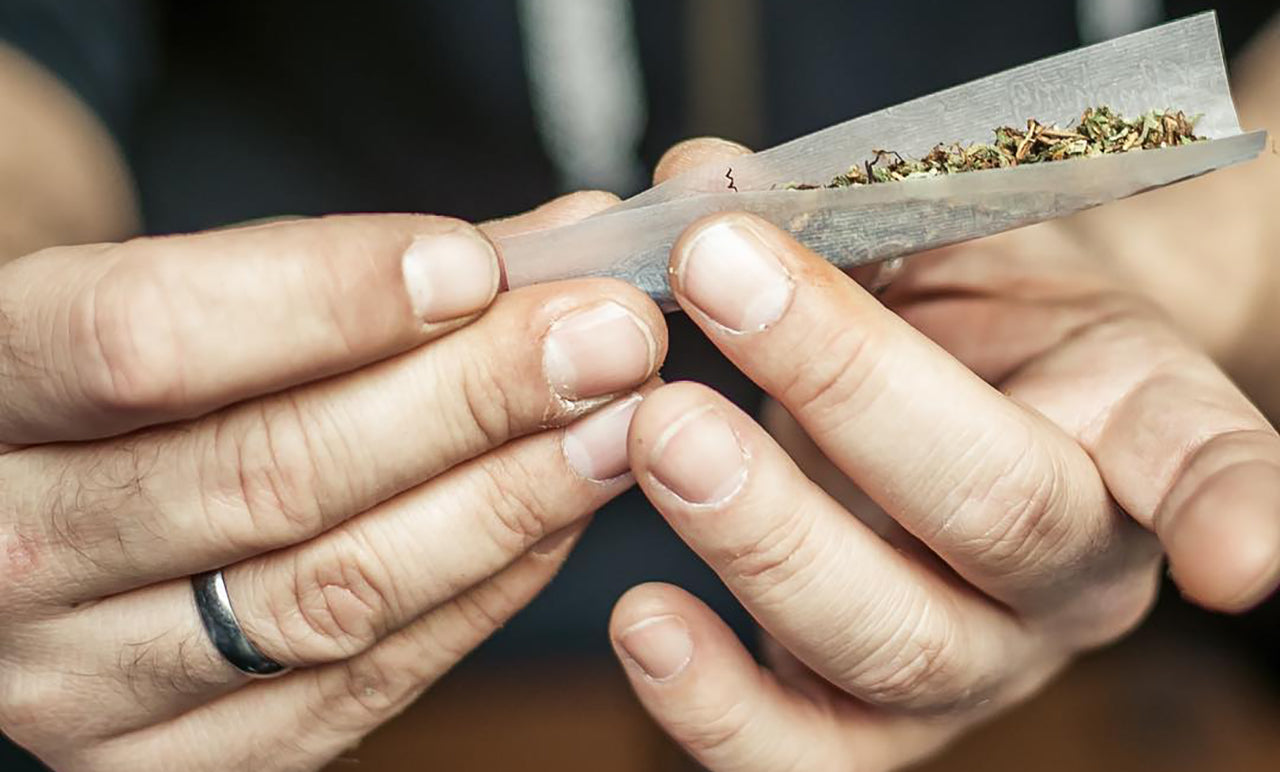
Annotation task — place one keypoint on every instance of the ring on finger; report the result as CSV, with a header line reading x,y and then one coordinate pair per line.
x,y
219,618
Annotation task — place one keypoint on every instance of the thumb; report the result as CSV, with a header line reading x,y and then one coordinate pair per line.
x,y
702,686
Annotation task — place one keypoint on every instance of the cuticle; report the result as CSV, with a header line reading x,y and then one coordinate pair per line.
x,y
674,429
572,403
675,276
684,665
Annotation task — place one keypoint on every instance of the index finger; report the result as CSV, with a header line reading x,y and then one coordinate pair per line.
x,y
1002,495
692,153
103,339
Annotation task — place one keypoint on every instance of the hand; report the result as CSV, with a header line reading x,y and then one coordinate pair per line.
x,y
340,412
999,456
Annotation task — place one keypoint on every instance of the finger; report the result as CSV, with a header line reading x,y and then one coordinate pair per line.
x,y
100,340
692,153
565,210
307,717
1006,498
793,440
173,501
336,596
1222,532
702,686
707,151
156,329
1179,446
866,617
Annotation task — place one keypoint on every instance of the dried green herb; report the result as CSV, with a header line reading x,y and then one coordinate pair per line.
x,y
1100,131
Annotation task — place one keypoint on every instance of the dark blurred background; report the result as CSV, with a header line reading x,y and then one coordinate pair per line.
x,y
233,110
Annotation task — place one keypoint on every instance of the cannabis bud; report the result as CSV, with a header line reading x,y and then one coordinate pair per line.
x,y
1100,131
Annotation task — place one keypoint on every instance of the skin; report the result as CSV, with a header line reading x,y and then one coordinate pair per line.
x,y
62,179
964,483
935,582
390,456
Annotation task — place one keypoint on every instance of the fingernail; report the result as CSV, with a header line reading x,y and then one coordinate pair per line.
x,y
661,646
603,350
731,274
449,275
699,458
596,446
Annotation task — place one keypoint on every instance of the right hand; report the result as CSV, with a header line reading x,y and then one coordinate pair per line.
x,y
389,469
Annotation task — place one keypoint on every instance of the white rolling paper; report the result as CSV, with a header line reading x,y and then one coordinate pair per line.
x,y
1177,66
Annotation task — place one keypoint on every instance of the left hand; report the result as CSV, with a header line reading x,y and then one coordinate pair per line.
x,y
388,458
1035,434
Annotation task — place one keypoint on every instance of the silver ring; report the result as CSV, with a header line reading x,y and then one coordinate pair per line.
x,y
228,638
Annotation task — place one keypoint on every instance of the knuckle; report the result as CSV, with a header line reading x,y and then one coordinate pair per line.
x,y
776,559
270,470
470,618
338,605
1017,531
520,503
365,692
448,634
481,614
487,404
331,299
1010,515
712,731
838,374
916,665
124,342
23,557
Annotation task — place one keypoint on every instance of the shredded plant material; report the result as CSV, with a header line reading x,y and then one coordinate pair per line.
x,y
1100,131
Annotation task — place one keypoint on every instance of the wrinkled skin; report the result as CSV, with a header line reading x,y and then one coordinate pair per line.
x,y
1008,439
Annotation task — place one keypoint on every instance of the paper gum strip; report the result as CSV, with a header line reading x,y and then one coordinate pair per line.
x,y
1177,66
